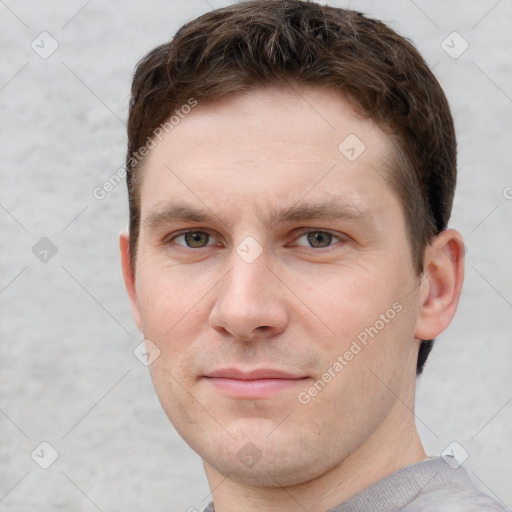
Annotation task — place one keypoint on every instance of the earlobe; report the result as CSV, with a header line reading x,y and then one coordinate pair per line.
x,y
129,277
441,285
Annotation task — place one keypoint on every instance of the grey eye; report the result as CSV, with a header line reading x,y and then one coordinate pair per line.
x,y
318,239
194,239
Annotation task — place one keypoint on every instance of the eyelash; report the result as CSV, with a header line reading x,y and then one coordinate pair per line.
x,y
167,241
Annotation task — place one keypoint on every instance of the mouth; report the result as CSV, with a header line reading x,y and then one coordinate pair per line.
x,y
257,383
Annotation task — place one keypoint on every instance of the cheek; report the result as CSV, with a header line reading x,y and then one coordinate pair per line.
x,y
168,296
369,367
175,303
372,314
171,302
351,300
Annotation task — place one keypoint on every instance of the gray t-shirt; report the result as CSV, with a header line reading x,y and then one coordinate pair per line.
x,y
432,485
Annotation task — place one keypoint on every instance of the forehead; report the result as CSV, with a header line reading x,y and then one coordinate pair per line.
x,y
276,143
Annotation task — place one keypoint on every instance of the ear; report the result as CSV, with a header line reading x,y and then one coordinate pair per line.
x,y
129,277
440,289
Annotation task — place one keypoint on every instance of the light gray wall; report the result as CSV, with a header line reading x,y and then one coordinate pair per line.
x,y
68,375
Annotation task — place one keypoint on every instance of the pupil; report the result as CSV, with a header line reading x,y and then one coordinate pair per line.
x,y
317,237
194,238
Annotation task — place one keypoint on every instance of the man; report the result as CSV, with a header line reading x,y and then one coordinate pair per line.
x,y
291,171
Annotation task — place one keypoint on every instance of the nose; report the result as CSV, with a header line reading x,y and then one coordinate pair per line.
x,y
250,302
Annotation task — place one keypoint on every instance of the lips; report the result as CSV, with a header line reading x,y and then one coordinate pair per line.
x,y
256,374
252,384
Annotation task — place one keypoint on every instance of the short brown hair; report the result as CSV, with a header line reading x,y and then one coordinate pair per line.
x,y
294,42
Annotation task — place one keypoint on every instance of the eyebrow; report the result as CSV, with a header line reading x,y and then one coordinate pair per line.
x,y
329,210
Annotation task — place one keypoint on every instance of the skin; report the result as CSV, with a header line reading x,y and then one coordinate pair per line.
x,y
296,307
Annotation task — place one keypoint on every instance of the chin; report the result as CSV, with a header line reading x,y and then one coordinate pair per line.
x,y
266,462
265,473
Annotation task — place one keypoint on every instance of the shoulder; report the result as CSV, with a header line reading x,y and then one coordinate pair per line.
x,y
455,500
443,487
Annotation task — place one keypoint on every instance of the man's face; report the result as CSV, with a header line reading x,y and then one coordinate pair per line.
x,y
247,298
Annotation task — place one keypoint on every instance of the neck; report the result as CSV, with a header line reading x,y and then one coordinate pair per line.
x,y
394,445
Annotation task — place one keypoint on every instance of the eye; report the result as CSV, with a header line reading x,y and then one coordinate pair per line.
x,y
316,239
319,239
192,239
